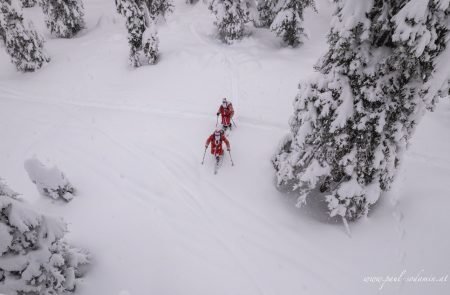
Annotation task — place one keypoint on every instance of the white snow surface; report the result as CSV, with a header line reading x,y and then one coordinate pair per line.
x,y
158,222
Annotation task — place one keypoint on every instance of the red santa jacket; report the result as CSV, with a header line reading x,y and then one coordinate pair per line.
x,y
216,143
227,111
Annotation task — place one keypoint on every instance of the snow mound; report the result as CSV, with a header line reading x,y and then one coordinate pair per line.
x,y
50,182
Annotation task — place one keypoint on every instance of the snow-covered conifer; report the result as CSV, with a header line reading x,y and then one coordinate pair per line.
x,y
50,182
231,16
23,44
150,44
285,18
266,13
135,24
34,257
288,21
64,18
141,18
158,8
353,121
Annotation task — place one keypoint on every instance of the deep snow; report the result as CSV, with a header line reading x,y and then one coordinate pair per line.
x,y
158,222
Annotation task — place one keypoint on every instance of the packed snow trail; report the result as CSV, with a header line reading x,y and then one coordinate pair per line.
x,y
159,222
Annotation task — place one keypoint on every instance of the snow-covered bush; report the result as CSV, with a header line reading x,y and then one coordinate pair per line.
x,y
28,3
352,123
22,42
141,17
34,258
285,18
64,18
231,16
49,181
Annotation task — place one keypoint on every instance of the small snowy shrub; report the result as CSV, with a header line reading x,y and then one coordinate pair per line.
x,y
352,123
23,44
34,258
231,16
64,18
49,181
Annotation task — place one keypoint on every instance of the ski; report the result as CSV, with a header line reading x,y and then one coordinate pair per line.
x,y
227,130
216,169
217,164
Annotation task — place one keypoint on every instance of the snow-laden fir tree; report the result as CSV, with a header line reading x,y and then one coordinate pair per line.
x,y
28,3
157,8
34,257
23,44
266,12
135,24
64,18
231,16
150,44
352,123
153,10
288,22
285,18
141,18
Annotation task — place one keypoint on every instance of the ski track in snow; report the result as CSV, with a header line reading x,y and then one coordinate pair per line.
x,y
245,121
227,60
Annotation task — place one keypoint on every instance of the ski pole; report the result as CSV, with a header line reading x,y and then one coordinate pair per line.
x,y
233,122
217,121
204,154
232,164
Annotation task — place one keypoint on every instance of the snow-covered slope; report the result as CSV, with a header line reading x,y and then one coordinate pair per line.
x,y
158,222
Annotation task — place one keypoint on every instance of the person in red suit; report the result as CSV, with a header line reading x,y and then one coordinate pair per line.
x,y
216,140
227,112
